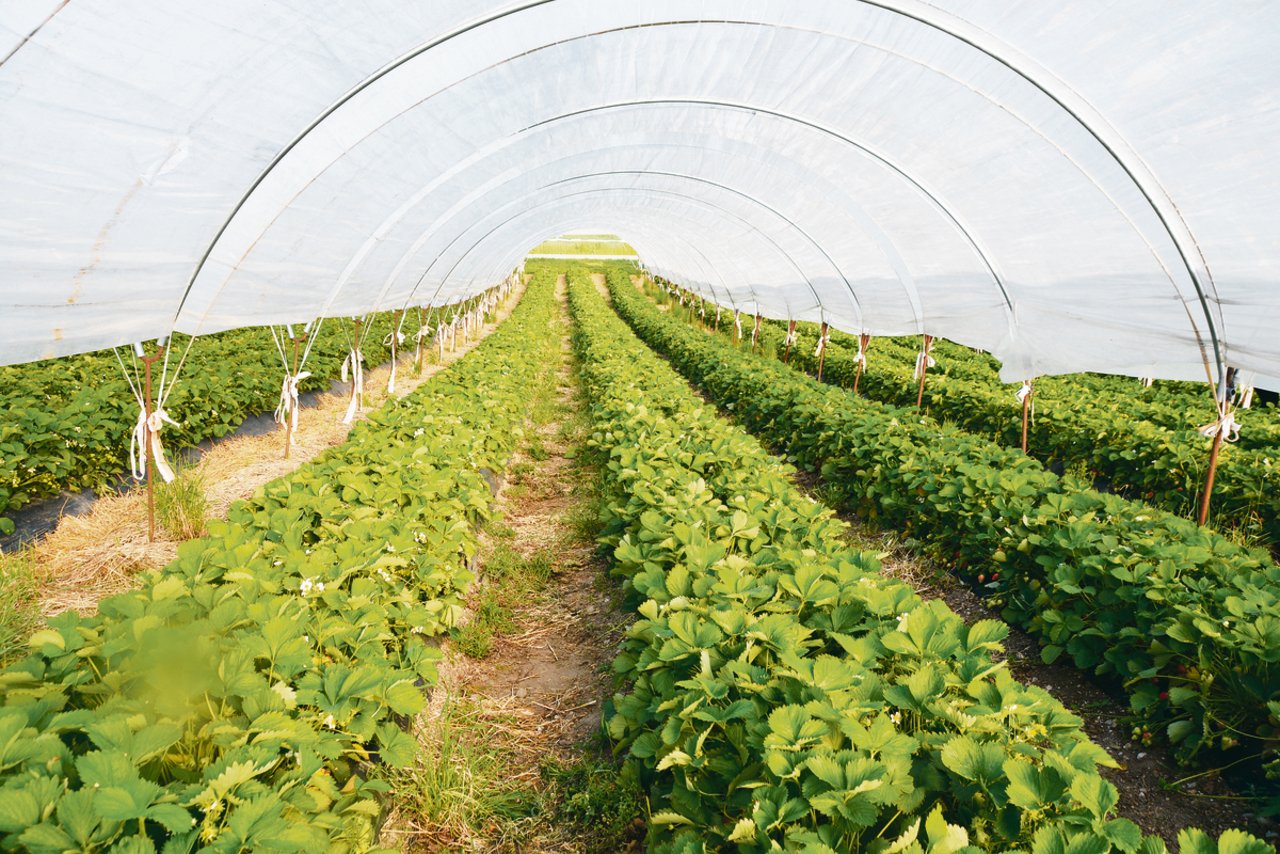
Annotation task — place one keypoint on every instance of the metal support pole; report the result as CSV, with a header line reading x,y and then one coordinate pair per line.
x,y
148,451
1026,409
865,341
1223,400
924,369
289,416
822,352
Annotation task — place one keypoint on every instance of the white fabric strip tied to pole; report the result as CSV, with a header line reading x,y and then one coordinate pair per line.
x,y
823,340
145,445
356,360
397,337
702,310
861,358
440,337
287,408
755,332
717,315
1147,382
737,325
1021,394
792,337
1226,425
923,360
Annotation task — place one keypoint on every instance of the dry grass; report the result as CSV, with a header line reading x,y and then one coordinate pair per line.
x,y
93,556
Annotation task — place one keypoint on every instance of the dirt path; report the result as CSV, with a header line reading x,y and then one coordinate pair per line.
x,y
93,556
535,694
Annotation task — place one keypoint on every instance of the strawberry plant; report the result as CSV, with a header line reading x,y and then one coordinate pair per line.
x,y
1179,617
780,692
237,699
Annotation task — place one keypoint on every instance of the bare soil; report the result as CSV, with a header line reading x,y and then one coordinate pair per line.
x,y
540,691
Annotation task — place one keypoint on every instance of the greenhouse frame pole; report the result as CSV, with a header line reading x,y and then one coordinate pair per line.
x,y
822,348
924,369
288,421
1026,408
864,340
148,450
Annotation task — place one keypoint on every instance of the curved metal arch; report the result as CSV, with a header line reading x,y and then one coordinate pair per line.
x,y
558,200
348,270
792,223
695,200
873,228
711,268
528,210
1112,149
755,201
730,105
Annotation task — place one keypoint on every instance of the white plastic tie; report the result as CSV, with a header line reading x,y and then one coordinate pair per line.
x,y
287,409
145,445
356,360
1226,425
923,360
1021,394
823,340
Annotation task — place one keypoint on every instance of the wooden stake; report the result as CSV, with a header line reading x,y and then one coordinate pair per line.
x,y
417,355
924,369
1217,445
822,352
356,366
1208,481
864,341
755,335
1026,408
288,421
148,450
791,334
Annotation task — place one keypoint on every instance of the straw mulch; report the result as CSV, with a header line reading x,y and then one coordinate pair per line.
x,y
93,556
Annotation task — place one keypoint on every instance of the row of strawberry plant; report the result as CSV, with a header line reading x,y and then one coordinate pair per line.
x,y
1186,621
236,700
1098,430
68,421
783,694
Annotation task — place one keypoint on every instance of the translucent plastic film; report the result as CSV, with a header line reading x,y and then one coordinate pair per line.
x,y
1073,186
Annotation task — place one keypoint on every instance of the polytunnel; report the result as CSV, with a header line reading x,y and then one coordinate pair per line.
x,y
1081,186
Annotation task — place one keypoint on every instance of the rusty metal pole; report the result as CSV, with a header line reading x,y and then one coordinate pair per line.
x,y
791,335
357,388
288,421
1208,482
822,352
924,369
148,449
1222,400
1026,408
417,355
865,341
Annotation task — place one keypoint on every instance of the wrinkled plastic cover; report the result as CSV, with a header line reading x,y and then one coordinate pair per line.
x,y
1079,185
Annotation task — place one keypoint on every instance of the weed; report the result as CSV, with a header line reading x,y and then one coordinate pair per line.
x,y
19,614
602,802
182,508
458,785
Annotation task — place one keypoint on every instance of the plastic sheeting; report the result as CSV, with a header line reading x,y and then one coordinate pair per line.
x,y
1083,185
